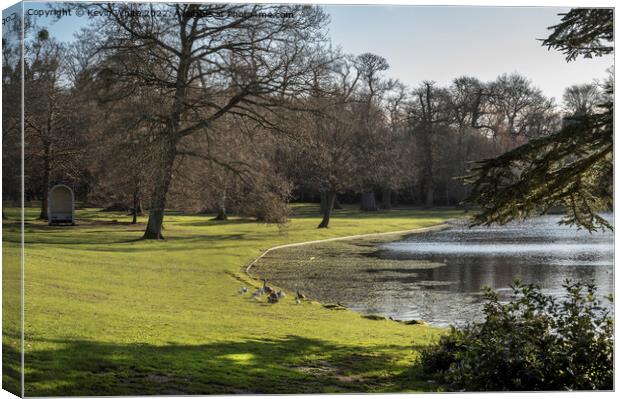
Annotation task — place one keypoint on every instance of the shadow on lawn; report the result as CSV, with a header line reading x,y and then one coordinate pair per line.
x,y
291,364
11,369
209,221
96,238
174,244
313,212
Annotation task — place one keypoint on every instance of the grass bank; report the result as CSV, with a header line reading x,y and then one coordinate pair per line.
x,y
110,314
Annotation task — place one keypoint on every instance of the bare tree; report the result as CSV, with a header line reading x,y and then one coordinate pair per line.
x,y
373,129
395,168
582,99
11,113
516,106
232,170
429,110
205,61
52,117
323,155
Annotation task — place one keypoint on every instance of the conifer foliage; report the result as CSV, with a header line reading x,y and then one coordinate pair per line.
x,y
572,168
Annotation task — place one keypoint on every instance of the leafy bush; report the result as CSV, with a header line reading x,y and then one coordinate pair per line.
x,y
533,342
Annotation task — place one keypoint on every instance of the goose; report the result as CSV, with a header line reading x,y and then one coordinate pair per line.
x,y
267,288
300,296
273,297
280,294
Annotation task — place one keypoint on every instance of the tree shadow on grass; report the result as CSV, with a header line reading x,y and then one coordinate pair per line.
x,y
291,364
39,233
98,238
11,369
396,213
174,244
209,221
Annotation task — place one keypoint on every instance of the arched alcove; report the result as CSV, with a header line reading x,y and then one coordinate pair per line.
x,y
60,205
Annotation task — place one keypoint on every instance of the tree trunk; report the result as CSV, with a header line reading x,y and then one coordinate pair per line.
x,y
221,214
368,202
323,206
426,146
134,220
386,198
155,222
337,204
221,209
168,150
429,184
428,179
329,205
162,184
47,171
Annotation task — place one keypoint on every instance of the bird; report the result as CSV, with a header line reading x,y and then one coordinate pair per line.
x,y
243,290
300,296
280,294
267,288
273,297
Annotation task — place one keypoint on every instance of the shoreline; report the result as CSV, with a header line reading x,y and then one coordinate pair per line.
x,y
437,227
394,234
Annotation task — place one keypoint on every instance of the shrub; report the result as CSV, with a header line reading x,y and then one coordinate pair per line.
x,y
533,342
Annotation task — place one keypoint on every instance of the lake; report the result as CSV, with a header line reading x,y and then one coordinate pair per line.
x,y
439,276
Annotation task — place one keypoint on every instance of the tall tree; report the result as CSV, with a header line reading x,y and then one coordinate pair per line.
x,y
323,156
206,61
516,107
428,112
372,129
233,170
11,113
582,99
52,122
394,169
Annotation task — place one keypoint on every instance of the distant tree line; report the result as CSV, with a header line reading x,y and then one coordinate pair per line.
x,y
219,111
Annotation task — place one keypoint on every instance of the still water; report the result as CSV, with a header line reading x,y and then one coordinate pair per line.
x,y
439,276
536,251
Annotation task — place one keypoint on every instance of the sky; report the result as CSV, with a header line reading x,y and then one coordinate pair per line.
x,y
441,43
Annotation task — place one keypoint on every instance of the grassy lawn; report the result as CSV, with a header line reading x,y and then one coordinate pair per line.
x,y
110,314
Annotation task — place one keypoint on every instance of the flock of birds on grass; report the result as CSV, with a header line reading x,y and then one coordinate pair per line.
x,y
273,296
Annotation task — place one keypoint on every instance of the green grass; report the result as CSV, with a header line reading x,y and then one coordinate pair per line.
x,y
110,314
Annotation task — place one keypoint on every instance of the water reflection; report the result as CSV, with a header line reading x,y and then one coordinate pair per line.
x,y
537,251
438,276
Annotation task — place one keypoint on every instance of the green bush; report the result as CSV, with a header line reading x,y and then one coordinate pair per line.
x,y
533,342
